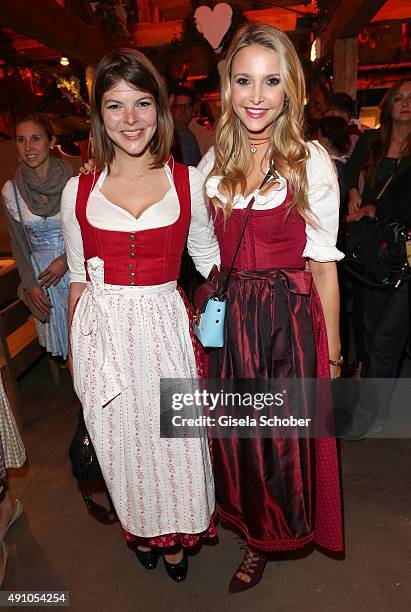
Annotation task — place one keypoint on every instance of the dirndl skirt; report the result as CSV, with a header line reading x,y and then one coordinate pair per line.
x,y
13,447
53,335
124,340
280,493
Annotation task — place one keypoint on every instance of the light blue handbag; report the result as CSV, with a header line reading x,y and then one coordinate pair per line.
x,y
209,324
210,301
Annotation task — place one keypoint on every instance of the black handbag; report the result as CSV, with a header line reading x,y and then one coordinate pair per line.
x,y
86,467
375,251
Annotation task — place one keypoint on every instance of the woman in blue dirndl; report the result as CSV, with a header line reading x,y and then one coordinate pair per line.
x,y
32,209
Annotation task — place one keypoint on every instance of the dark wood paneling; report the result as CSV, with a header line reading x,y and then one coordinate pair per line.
x,y
52,25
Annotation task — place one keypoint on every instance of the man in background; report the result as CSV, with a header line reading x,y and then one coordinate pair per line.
x,y
340,104
192,141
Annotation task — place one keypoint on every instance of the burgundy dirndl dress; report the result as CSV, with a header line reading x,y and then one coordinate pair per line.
x,y
280,493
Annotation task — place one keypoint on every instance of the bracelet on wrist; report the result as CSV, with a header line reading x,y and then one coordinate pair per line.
x,y
337,362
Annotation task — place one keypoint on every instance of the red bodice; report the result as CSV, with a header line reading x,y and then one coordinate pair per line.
x,y
147,257
272,238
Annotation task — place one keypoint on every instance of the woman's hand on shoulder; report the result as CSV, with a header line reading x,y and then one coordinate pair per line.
x,y
88,167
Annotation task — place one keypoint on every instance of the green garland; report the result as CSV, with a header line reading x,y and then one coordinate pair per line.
x,y
70,87
61,82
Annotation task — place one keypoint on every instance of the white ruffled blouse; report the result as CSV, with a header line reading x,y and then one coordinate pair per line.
x,y
202,244
323,198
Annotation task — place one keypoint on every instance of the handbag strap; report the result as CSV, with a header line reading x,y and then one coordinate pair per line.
x,y
246,216
98,509
386,185
392,176
397,172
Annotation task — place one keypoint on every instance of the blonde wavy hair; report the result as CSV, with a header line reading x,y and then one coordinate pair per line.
x,y
287,152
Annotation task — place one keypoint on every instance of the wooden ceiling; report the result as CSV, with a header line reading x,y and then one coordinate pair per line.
x,y
174,9
43,30
179,9
53,26
72,21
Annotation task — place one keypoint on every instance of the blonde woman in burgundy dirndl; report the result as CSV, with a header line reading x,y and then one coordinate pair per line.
x,y
283,298
125,227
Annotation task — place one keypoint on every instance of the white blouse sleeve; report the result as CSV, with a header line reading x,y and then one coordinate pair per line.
x,y
9,200
324,201
206,163
202,243
72,232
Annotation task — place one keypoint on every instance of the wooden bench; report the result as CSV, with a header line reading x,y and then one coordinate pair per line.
x,y
9,282
19,348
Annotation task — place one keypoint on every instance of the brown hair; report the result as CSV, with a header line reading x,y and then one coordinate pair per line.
x,y
38,118
134,68
381,142
337,131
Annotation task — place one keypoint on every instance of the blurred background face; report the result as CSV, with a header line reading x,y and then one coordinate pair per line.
x,y
318,102
401,107
33,146
323,140
182,109
336,112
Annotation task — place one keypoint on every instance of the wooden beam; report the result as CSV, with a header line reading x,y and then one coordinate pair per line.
x,y
80,8
156,34
279,18
348,19
34,50
393,10
172,9
144,11
345,66
55,27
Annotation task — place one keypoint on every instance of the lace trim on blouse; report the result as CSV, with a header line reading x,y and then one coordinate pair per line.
x,y
275,197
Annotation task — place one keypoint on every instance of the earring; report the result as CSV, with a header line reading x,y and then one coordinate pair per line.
x,y
51,147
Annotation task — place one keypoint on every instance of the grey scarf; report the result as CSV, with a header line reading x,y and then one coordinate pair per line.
x,y
33,188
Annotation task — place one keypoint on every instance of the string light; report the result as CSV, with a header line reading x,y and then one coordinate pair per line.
x,y
315,53
64,61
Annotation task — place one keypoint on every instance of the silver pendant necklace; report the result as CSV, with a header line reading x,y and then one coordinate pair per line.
x,y
257,142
